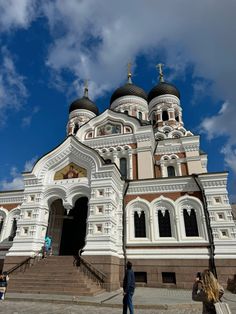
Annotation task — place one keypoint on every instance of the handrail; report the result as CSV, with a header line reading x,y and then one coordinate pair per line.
x,y
24,263
92,272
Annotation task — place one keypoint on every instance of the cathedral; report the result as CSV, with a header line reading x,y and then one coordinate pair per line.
x,y
130,183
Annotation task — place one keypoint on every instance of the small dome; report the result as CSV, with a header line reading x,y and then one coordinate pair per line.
x,y
163,88
84,103
126,90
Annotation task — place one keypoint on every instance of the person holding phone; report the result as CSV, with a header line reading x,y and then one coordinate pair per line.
x,y
206,289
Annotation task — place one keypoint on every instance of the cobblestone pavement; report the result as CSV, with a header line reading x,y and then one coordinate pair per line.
x,y
22,307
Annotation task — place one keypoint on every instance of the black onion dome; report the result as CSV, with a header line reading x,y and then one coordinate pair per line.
x,y
126,90
163,88
84,103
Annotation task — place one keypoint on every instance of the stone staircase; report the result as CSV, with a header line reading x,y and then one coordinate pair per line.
x,y
53,275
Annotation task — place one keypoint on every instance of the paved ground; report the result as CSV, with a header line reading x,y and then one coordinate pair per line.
x,y
146,301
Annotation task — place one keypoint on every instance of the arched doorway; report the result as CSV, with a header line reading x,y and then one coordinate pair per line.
x,y
68,232
74,228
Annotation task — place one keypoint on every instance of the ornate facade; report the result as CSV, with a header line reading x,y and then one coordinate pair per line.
x,y
129,183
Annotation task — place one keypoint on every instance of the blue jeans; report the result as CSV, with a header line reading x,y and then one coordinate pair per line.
x,y
127,303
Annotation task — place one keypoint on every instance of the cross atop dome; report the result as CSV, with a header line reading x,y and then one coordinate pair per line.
x,y
86,88
159,67
129,72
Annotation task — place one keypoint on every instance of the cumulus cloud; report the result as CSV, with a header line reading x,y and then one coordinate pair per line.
x,y
223,124
16,183
13,92
16,14
95,39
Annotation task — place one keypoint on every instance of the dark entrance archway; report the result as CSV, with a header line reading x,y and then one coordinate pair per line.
x,y
74,228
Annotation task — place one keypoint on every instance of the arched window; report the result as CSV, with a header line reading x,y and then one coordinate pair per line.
x,y
13,230
139,224
123,167
177,118
171,171
126,112
76,128
190,222
140,116
1,224
165,116
164,223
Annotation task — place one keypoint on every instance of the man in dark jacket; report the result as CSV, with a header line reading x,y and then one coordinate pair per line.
x,y
128,287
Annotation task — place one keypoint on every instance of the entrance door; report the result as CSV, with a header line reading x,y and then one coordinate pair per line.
x,y
74,228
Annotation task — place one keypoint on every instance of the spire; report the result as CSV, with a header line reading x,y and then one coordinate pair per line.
x,y
129,72
159,67
86,88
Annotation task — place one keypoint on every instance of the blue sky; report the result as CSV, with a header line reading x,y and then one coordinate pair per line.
x,y
48,48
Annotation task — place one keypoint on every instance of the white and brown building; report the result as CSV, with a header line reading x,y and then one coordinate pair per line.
x,y
130,183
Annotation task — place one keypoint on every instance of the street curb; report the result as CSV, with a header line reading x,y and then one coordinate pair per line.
x,y
76,301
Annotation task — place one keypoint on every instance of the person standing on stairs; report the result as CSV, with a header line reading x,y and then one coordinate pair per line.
x,y
47,249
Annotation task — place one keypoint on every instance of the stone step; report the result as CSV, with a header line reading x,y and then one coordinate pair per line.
x,y
55,274
60,292
45,279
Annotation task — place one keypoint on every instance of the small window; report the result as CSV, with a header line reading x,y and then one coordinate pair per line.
x,y
100,192
224,233
140,116
126,112
25,231
123,167
1,223
140,276
99,228
171,171
164,224
165,116
140,224
220,216
168,277
190,222
28,214
76,128
32,198
217,200
100,209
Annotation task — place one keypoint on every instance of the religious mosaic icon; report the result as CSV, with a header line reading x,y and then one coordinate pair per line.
x,y
70,171
108,129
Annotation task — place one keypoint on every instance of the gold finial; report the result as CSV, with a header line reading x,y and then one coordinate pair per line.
x,y
129,72
159,67
86,88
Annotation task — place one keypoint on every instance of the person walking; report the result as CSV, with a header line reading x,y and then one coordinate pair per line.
x,y
128,288
206,289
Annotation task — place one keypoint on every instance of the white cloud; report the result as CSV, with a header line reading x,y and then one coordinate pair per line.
x,y
26,121
16,13
17,180
13,92
30,163
95,39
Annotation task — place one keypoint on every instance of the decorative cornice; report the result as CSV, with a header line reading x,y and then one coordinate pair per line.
x,y
132,100
163,100
162,185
